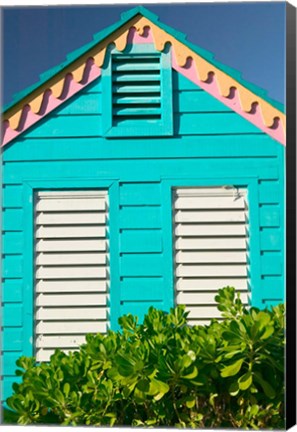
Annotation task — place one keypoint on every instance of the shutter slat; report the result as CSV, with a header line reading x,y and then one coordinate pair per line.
x,y
127,89
209,216
206,202
71,273
211,245
137,111
73,204
69,341
70,245
126,77
45,232
82,218
210,257
60,286
211,284
44,355
65,314
81,299
70,327
70,258
136,66
236,270
203,298
210,230
136,100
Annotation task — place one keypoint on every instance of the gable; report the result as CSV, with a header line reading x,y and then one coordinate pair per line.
x,y
142,30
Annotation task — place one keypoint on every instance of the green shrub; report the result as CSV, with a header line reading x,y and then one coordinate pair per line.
x,y
165,373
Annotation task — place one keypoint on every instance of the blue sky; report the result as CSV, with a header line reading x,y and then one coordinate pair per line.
x,y
249,37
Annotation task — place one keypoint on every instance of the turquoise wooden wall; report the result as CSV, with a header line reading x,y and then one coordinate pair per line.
x,y
210,145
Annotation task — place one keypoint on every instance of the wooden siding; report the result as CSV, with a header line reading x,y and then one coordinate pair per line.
x,y
210,142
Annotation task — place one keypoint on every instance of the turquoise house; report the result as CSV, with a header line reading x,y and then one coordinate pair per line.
x,y
139,172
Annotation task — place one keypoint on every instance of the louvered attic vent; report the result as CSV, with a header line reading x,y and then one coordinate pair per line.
x,y
137,88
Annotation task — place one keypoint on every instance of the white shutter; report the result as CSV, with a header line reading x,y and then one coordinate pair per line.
x,y
211,247
71,269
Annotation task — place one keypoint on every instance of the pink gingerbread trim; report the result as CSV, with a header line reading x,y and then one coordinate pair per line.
x,y
92,72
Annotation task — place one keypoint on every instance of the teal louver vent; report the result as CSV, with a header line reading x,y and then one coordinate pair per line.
x,y
136,88
138,92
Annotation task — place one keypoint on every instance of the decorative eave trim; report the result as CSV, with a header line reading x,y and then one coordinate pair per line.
x,y
141,30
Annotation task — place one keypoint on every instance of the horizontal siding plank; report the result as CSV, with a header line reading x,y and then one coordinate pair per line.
x,y
196,146
188,123
236,270
71,245
12,220
89,103
74,314
140,217
12,266
271,239
58,286
213,123
210,257
12,290
145,169
74,327
205,230
142,289
271,264
83,218
140,194
272,287
210,243
197,102
141,265
12,242
12,196
209,216
73,272
200,322
93,231
210,284
198,298
70,341
141,241
12,315
71,299
70,258
269,216
13,339
67,126
269,192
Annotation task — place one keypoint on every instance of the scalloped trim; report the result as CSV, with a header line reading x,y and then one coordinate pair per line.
x,y
141,30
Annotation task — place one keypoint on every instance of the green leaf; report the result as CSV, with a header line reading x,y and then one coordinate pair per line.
x,y
66,389
245,381
234,388
232,369
190,401
143,385
267,388
192,374
268,332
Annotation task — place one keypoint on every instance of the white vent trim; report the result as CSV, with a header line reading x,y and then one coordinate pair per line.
x,y
211,243
71,268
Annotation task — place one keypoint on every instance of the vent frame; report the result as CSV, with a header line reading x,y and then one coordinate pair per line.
x,y
158,120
